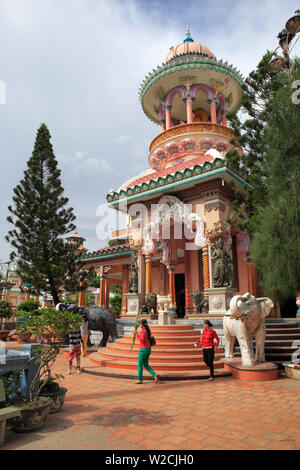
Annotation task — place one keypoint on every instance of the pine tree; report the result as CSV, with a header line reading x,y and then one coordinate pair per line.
x,y
276,224
258,91
41,220
270,140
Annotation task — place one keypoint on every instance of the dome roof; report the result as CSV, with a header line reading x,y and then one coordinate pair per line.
x,y
189,46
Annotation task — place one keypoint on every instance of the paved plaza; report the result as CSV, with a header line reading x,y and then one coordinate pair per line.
x,y
110,414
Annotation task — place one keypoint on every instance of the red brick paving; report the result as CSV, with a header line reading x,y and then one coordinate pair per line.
x,y
109,413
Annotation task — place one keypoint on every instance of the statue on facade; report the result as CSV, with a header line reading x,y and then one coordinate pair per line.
x,y
133,276
222,270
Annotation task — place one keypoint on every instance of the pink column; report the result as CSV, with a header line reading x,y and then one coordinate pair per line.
x,y
224,120
168,118
163,126
189,109
213,111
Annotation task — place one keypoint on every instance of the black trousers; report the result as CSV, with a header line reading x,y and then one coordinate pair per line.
x,y
208,356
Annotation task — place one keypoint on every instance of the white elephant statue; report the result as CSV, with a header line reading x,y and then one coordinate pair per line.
x,y
245,320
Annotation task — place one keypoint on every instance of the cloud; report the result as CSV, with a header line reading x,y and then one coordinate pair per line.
x,y
124,138
80,164
77,66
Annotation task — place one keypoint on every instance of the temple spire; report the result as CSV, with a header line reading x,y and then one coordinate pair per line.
x,y
188,35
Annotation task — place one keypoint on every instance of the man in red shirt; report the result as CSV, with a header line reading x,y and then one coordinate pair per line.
x,y
207,338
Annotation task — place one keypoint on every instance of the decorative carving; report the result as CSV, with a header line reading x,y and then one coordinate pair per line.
x,y
214,205
150,246
183,129
166,249
135,244
132,306
170,207
218,86
133,276
103,270
216,302
219,230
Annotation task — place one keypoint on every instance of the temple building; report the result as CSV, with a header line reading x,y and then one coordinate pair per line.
x,y
18,291
181,238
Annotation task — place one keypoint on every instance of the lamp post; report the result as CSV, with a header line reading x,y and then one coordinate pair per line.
x,y
285,37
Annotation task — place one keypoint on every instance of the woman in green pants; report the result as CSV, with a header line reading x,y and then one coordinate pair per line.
x,y
144,352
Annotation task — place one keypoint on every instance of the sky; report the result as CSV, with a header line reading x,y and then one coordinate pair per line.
x,y
77,66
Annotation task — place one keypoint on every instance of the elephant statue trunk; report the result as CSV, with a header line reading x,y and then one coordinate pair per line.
x,y
234,310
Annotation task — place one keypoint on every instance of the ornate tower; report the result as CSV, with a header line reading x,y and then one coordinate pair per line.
x,y
189,96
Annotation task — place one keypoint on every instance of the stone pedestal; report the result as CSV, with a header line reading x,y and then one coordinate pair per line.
x,y
257,373
164,318
134,303
219,299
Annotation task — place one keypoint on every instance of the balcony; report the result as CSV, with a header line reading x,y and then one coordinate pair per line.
x,y
206,128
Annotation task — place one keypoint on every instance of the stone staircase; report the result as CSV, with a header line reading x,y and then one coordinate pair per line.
x,y
279,341
173,357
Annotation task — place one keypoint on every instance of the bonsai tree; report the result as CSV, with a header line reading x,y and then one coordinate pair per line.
x,y
29,306
6,311
51,327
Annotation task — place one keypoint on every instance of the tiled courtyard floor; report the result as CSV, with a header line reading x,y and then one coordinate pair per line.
x,y
110,414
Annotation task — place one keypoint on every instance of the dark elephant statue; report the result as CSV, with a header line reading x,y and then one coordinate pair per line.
x,y
99,318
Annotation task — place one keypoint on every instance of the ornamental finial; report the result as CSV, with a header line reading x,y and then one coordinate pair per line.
x,y
188,35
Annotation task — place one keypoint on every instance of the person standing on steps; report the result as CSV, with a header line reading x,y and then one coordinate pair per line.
x,y
144,336
207,338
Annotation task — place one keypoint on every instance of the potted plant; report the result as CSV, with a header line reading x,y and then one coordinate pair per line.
x,y
31,307
200,301
6,311
51,327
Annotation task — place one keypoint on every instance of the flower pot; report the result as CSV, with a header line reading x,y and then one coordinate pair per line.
x,y
57,398
32,417
23,337
3,335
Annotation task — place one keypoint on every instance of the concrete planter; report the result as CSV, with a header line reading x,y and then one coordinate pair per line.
x,y
32,418
292,371
57,398
3,335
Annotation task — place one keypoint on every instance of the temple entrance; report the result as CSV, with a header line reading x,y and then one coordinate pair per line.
x,y
288,308
180,295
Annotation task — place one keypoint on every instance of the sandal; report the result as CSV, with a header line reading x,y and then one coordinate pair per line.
x,y
157,377
139,382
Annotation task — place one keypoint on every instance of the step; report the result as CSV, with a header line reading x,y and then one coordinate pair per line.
x,y
158,350
157,358
157,366
282,325
164,338
173,334
281,354
171,327
161,344
290,329
165,376
279,342
283,336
